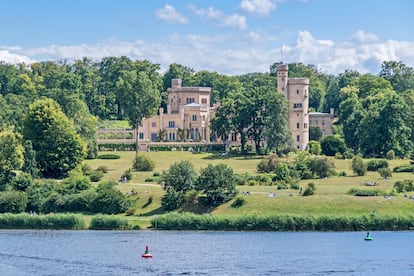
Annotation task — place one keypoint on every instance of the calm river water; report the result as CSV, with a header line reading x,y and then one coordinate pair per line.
x,y
205,253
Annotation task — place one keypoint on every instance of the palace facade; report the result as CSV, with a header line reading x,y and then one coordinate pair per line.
x,y
188,115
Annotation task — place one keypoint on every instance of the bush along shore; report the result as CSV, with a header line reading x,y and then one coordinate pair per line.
x,y
62,222
189,221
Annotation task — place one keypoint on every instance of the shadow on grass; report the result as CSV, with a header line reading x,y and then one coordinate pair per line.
x,y
218,156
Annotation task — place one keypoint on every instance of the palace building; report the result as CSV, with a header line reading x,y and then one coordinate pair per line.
x,y
188,115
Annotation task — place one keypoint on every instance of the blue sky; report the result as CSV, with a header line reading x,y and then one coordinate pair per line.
x,y
227,36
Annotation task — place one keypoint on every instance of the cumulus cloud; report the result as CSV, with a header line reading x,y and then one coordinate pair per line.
x,y
209,13
170,15
258,7
235,21
363,37
233,55
7,57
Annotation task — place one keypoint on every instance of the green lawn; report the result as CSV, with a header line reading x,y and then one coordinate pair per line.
x,y
330,197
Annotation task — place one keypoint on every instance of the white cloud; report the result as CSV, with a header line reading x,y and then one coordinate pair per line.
x,y
254,36
209,13
230,54
13,58
363,37
258,7
235,21
170,15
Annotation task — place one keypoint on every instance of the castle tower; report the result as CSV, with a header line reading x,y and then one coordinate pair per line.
x,y
296,92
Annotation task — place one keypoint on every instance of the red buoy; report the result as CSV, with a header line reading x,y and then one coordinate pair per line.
x,y
147,254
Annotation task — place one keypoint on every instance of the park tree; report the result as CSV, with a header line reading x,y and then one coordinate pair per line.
x,y
314,147
332,144
384,127
58,147
180,177
358,166
315,133
233,116
217,182
140,98
11,154
398,74
30,163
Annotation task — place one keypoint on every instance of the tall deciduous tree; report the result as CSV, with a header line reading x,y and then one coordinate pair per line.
x,y
140,98
217,182
180,177
11,153
58,147
398,74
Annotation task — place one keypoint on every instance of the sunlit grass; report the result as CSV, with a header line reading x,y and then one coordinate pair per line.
x,y
331,196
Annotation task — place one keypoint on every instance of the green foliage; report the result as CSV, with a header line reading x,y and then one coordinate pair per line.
x,y
310,190
282,222
282,173
332,144
109,200
54,203
238,202
58,147
362,192
108,156
21,181
406,185
76,184
13,202
218,183
390,155
96,176
108,223
315,133
321,166
358,166
80,202
116,147
30,163
376,164
315,147
268,164
11,151
180,177
51,221
172,200
403,168
385,173
38,192
143,163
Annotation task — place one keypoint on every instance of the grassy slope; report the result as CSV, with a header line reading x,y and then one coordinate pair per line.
x,y
330,197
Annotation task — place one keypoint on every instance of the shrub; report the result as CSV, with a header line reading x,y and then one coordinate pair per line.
x,y
80,202
172,200
13,202
360,192
282,173
310,190
108,223
268,165
54,203
22,181
404,186
152,179
96,176
390,155
108,156
103,169
332,144
143,163
238,202
86,169
358,166
403,168
130,211
315,147
376,164
109,200
385,173
295,186
155,174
